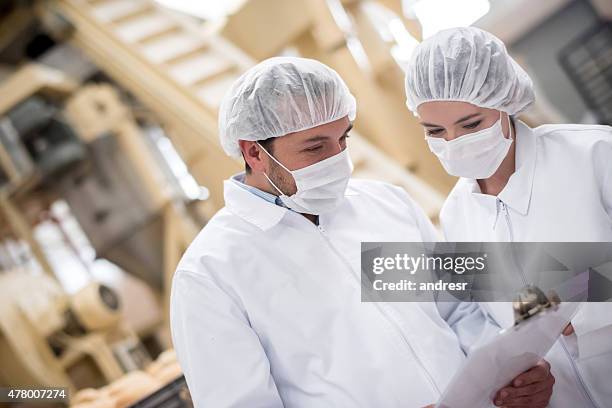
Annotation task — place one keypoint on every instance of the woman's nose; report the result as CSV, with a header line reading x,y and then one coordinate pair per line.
x,y
450,136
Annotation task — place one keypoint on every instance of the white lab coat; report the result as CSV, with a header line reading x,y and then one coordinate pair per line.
x,y
561,191
266,309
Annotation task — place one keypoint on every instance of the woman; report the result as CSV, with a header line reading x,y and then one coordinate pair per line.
x,y
551,183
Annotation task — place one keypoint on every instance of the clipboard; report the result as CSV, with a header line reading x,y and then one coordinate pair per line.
x,y
498,361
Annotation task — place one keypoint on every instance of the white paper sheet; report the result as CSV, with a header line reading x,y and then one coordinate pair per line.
x,y
496,363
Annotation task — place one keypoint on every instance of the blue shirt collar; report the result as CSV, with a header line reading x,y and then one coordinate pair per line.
x,y
238,179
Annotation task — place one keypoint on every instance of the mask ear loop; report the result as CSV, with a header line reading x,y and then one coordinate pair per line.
x,y
510,132
509,126
274,185
279,163
273,158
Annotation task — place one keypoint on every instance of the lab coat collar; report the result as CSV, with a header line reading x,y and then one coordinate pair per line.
x,y
517,192
256,210
250,207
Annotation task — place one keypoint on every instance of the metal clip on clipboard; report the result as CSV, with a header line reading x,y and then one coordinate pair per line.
x,y
539,321
531,300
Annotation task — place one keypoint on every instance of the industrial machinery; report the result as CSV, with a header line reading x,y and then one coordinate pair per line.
x,y
51,339
82,146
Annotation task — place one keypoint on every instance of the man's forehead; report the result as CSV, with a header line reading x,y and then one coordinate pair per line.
x,y
323,132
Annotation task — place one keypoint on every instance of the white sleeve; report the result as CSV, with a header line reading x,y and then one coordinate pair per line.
x,y
444,224
593,316
603,169
428,231
220,354
467,320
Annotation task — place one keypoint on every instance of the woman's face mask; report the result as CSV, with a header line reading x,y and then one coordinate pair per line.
x,y
320,186
475,155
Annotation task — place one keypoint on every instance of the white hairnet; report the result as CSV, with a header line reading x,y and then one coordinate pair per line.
x,y
469,65
279,96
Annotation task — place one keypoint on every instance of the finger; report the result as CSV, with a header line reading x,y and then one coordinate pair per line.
x,y
508,393
569,330
538,399
537,373
539,405
540,396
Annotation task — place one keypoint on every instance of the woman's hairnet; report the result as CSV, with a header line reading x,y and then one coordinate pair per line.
x,y
469,65
279,96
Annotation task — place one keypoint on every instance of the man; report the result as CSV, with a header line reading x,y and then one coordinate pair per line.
x,y
266,308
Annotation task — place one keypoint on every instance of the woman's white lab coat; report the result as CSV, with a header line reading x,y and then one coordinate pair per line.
x,y
266,309
561,191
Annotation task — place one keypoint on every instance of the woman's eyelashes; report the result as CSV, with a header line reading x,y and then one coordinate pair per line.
x,y
472,125
439,131
434,132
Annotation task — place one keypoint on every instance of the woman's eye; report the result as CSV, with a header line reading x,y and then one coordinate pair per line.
x,y
313,149
472,125
433,132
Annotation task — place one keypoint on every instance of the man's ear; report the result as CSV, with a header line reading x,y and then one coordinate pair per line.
x,y
252,154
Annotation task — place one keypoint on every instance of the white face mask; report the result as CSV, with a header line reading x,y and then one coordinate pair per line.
x,y
320,186
476,155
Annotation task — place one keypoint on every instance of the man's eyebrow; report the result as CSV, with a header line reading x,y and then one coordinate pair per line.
x,y
321,137
459,121
315,139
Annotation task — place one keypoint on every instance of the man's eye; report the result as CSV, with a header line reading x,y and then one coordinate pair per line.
x,y
345,136
313,149
473,124
433,132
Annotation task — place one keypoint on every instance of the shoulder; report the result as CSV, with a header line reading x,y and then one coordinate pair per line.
x,y
570,128
224,237
462,188
360,185
575,134
386,201
380,191
457,195
585,145
376,188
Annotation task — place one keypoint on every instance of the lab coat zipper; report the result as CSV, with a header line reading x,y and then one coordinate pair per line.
x,y
585,390
428,376
507,216
504,209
